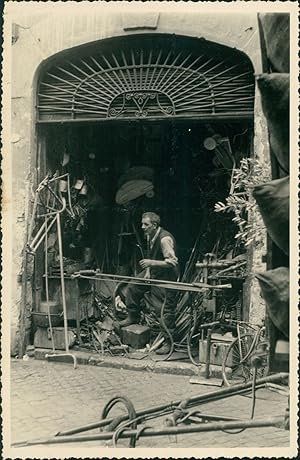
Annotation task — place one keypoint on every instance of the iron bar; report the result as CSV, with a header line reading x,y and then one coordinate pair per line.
x,y
62,280
180,68
213,86
207,357
233,390
167,431
81,81
32,247
57,88
141,70
203,75
233,116
190,71
92,69
134,69
217,95
114,71
154,67
112,84
100,84
147,70
121,72
127,70
86,104
196,287
64,109
160,70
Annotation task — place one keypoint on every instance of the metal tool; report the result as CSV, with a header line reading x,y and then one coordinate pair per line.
x,y
33,245
202,422
195,287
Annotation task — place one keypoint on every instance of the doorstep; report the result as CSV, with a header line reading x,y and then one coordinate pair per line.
x,y
122,362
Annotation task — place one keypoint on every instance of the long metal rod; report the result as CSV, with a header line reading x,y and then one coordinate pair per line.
x,y
194,400
196,287
62,280
34,244
63,293
32,220
207,357
167,431
233,116
47,286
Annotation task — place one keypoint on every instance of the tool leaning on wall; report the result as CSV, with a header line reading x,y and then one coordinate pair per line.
x,y
51,216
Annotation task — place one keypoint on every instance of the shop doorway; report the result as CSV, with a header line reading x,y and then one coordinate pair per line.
x,y
156,126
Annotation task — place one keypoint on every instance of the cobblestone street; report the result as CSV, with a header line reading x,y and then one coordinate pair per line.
x,y
48,397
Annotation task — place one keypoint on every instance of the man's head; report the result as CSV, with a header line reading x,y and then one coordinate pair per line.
x,y
150,223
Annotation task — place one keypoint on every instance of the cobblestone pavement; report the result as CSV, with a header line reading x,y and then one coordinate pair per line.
x,y
47,397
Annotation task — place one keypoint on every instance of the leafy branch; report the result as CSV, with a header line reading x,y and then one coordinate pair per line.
x,y
241,202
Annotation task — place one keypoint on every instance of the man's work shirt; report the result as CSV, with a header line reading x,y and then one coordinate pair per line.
x,y
167,247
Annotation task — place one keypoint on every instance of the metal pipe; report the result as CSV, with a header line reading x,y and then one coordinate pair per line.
x,y
32,220
47,286
60,200
194,400
196,287
207,357
166,431
33,246
62,280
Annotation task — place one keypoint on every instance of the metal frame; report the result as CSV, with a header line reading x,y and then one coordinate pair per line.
x,y
146,81
51,215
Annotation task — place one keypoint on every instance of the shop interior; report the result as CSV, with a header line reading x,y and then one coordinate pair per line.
x,y
118,170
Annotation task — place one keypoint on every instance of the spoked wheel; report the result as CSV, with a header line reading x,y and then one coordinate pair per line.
x,y
237,357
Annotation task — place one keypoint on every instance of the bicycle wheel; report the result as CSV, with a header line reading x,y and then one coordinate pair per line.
x,y
236,362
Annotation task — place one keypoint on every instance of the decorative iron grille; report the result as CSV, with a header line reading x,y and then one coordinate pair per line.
x,y
138,82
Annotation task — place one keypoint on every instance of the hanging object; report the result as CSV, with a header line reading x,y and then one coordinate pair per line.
x,y
133,189
137,172
210,143
83,190
63,185
66,159
273,201
275,290
150,194
78,184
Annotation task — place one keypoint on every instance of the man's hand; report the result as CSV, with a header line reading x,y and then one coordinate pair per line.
x,y
146,263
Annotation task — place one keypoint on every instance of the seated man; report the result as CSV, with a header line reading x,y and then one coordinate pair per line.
x,y
161,263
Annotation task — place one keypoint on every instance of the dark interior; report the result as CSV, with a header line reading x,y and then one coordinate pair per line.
x,y
188,180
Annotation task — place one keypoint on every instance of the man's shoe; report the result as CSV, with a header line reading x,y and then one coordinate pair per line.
x,y
131,319
164,349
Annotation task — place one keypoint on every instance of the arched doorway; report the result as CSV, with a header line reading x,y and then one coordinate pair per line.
x,y
172,112
149,76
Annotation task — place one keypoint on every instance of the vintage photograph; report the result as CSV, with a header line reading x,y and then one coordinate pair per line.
x,y
146,287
